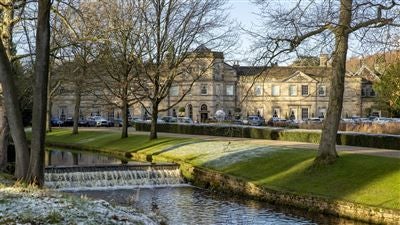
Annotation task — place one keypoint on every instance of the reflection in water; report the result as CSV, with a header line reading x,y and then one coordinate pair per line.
x,y
65,158
188,205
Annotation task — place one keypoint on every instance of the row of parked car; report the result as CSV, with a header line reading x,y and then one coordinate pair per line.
x,y
98,121
94,121
371,119
274,121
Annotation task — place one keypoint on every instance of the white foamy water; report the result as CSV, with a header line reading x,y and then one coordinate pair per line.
x,y
113,178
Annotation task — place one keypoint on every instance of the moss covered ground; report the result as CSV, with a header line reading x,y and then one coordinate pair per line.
x,y
369,180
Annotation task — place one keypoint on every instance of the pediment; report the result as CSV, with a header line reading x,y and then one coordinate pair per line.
x,y
299,77
367,74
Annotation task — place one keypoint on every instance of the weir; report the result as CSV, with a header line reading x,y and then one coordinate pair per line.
x,y
112,176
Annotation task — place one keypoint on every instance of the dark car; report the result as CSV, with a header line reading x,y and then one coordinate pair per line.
x,y
56,122
68,122
83,123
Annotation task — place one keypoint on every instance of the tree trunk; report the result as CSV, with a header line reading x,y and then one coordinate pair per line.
x,y
124,119
154,117
14,116
327,148
36,165
49,108
76,109
3,138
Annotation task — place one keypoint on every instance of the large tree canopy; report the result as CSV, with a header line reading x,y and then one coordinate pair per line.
x,y
325,26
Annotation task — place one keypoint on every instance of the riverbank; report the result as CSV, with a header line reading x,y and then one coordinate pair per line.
x,y
363,180
29,205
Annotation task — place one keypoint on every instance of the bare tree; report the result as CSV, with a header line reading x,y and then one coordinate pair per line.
x,y
10,95
36,164
119,31
170,31
327,24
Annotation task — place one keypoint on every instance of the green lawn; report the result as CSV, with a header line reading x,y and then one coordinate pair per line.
x,y
362,179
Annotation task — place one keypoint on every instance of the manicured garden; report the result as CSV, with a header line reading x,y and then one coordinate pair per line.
x,y
368,180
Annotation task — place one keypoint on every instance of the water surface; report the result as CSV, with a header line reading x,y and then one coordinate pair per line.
x,y
190,205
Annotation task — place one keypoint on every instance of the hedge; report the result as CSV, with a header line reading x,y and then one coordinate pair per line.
x,y
268,133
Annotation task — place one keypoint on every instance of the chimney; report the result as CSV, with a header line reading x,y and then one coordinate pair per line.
x,y
236,64
323,60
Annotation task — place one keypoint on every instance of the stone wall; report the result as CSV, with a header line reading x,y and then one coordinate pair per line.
x,y
236,186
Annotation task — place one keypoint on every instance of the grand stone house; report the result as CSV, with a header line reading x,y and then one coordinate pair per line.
x,y
298,92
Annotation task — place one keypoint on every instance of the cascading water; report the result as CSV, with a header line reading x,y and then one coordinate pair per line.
x,y
111,177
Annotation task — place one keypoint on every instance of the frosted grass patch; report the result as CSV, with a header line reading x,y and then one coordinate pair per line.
x,y
17,206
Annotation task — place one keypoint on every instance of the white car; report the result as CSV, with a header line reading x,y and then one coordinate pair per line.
x,y
100,121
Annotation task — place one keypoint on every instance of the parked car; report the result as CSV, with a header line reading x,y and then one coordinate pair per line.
x,y
83,123
56,122
99,121
91,121
184,120
68,122
135,119
382,120
119,123
169,119
277,121
314,120
256,120
159,121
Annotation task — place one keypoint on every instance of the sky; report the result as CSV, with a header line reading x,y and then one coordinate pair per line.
x,y
243,12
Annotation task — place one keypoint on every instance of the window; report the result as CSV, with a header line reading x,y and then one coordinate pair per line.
x,y
229,89
275,90
203,89
322,112
304,113
292,90
276,112
292,113
174,91
304,90
367,91
258,90
322,90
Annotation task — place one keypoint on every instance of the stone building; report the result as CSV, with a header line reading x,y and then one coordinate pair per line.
x,y
297,92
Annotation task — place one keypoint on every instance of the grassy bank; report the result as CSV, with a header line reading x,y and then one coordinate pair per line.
x,y
368,180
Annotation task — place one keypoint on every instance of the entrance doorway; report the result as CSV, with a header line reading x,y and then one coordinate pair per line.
x,y
203,113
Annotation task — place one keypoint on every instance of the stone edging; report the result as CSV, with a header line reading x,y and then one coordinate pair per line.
x,y
224,183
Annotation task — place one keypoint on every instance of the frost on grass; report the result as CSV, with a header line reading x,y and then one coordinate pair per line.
x,y
220,154
22,206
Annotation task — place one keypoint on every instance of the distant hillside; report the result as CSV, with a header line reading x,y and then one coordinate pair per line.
x,y
374,62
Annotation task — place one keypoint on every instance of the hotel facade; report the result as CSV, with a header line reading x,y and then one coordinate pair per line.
x,y
297,92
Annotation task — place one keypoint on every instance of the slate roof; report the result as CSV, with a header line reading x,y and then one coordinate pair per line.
x,y
281,72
